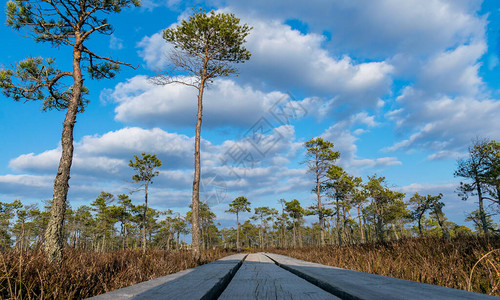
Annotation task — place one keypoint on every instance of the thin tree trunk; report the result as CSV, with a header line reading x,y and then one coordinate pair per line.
x,y
144,217
196,182
320,210
300,236
209,238
339,231
380,224
395,231
103,246
123,236
237,233
283,237
482,214
126,236
53,245
380,229
444,229
261,235
348,233
420,226
361,227
273,244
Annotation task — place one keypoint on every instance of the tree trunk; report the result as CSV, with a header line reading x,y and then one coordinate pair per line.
x,y
237,233
361,227
339,231
196,182
103,246
144,217
273,236
444,229
53,245
283,236
300,236
380,225
420,225
482,214
123,236
393,227
320,210
209,236
261,232
126,237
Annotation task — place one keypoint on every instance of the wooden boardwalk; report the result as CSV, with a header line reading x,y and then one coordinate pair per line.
x,y
273,276
260,278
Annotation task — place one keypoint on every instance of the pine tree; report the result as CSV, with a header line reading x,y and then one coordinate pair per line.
x,y
206,46
61,23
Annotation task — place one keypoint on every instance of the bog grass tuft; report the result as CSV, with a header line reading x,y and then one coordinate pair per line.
x,y
465,262
85,274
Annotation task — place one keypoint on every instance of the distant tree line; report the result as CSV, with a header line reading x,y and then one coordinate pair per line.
x,y
352,211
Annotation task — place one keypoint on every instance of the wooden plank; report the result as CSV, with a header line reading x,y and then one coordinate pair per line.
x,y
349,284
203,282
260,278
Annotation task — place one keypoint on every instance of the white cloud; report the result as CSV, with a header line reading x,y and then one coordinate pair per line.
x,y
444,125
115,43
375,163
378,28
20,186
344,135
224,104
453,71
155,51
284,58
44,162
131,140
108,155
101,163
28,180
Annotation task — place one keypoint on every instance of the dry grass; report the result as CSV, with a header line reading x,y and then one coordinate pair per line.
x,y
86,274
428,260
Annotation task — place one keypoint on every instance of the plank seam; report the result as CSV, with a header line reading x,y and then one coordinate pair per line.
x,y
219,287
317,282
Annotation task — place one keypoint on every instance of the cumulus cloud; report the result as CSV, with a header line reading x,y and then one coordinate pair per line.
x,y
377,28
453,71
447,106
19,186
154,51
444,125
284,58
344,135
436,45
257,161
225,103
109,153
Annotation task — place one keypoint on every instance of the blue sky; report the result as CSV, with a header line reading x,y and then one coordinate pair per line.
x,y
400,87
